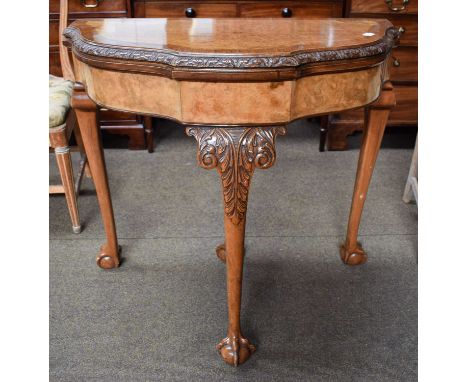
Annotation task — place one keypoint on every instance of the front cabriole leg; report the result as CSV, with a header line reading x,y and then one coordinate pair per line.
x,y
235,153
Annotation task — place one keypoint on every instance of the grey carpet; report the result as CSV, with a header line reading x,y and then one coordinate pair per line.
x,y
159,316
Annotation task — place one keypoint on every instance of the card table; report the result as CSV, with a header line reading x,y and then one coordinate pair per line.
x,y
235,84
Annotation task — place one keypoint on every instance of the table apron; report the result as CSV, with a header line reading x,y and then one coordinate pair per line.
x,y
231,103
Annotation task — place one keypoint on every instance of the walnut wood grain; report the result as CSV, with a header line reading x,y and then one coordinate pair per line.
x,y
235,121
351,251
403,68
133,127
229,44
86,112
405,113
221,103
235,153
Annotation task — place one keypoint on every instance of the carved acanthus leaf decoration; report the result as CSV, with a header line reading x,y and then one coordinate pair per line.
x,y
236,152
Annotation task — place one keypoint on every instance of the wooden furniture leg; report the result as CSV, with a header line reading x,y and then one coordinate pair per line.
x,y
148,123
64,163
84,166
324,122
86,112
235,153
376,118
79,143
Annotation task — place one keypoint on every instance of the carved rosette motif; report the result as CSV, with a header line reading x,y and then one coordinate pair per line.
x,y
236,152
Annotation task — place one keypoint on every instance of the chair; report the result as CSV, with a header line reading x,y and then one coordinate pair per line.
x,y
62,125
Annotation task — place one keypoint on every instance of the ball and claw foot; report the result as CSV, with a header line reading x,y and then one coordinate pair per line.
x,y
221,252
105,261
355,256
235,350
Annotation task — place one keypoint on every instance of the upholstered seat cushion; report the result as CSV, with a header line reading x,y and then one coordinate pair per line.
x,y
60,91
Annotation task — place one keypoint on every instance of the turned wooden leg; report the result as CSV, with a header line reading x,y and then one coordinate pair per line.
x,y
86,112
376,118
66,173
235,153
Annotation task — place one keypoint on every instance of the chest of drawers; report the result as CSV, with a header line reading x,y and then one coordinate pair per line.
x,y
403,72
136,128
265,8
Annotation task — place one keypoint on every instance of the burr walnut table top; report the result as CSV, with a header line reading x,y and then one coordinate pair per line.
x,y
231,71
230,43
238,36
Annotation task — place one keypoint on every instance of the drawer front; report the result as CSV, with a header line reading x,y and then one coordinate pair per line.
x,y
404,64
54,63
90,6
410,35
380,6
406,109
53,32
190,9
309,9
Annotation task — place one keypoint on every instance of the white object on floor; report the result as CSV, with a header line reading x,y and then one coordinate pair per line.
x,y
411,188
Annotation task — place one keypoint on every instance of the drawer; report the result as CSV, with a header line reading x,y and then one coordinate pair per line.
x,y
410,25
90,6
380,6
189,9
53,32
406,109
54,63
312,9
54,60
404,64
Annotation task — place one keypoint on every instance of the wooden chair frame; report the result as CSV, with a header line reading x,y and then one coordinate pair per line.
x,y
59,137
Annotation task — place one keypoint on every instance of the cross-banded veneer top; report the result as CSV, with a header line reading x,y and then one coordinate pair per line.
x,y
231,43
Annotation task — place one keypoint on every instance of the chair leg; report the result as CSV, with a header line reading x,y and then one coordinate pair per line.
x,y
66,173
